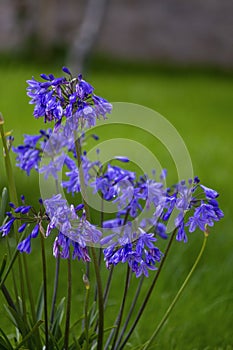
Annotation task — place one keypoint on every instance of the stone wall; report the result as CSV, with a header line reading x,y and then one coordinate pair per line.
x,y
180,31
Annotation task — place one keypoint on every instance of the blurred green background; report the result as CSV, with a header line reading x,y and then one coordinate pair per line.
x,y
199,104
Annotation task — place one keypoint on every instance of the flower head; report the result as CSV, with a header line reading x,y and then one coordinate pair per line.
x,y
140,254
55,98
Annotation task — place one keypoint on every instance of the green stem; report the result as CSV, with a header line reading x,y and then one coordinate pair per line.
x,y
133,304
173,303
147,297
31,299
32,303
100,250
120,315
28,336
12,261
12,190
12,270
100,300
81,175
55,288
14,199
45,291
8,298
22,288
68,305
94,257
9,172
87,290
57,270
107,287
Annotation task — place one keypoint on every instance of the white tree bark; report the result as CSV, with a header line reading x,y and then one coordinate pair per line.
x,y
87,34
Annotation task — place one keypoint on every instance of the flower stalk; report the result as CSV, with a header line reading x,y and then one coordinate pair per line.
x,y
68,304
148,294
14,199
86,306
44,270
177,296
93,251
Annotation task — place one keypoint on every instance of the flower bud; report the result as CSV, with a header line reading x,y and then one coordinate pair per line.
x,y
86,281
1,119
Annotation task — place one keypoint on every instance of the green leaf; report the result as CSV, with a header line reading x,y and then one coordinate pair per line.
x,y
3,204
56,330
53,343
40,303
93,313
61,341
13,258
4,341
138,347
94,335
17,320
3,265
3,344
77,322
76,343
29,335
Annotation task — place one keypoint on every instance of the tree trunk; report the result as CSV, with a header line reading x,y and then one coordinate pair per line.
x,y
87,34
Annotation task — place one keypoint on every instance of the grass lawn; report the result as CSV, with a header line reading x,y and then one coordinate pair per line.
x,y
200,107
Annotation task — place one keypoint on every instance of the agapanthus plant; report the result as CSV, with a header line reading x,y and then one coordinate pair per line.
x,y
70,107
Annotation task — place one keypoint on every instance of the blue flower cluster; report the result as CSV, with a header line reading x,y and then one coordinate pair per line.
x,y
29,154
26,215
144,206
56,148
125,238
140,254
55,98
194,206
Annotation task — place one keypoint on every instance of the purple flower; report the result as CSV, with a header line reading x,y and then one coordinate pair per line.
x,y
81,253
28,158
160,229
113,223
29,154
53,167
5,229
66,70
83,88
31,140
116,183
23,209
58,97
62,246
102,106
65,219
22,227
141,254
53,204
35,231
184,196
210,194
28,215
122,159
204,215
73,184
155,193
25,245
170,205
181,235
